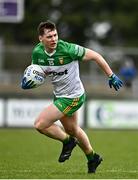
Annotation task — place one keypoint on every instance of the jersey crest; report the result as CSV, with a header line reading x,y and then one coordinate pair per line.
x,y
61,60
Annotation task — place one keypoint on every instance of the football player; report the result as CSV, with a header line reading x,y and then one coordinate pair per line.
x,y
60,61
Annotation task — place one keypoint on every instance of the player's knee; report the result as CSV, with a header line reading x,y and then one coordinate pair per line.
x,y
38,125
72,131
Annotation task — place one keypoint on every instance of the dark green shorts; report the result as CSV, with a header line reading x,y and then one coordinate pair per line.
x,y
69,105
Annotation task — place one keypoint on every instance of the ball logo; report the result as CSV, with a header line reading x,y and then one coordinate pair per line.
x,y
38,78
28,71
38,73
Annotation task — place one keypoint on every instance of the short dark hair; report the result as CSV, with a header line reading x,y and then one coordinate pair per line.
x,y
45,25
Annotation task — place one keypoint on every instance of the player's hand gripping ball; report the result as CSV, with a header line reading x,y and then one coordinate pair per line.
x,y
33,77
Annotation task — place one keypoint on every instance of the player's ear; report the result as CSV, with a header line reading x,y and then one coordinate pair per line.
x,y
40,38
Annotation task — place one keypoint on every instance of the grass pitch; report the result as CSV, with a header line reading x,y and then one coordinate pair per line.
x,y
26,154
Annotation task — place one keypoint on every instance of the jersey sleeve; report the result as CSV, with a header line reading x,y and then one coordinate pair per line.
x,y
34,58
76,51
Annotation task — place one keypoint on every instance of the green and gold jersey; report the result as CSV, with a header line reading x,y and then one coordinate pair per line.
x,y
62,66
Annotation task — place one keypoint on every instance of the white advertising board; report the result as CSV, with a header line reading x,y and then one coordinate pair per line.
x,y
1,112
112,114
22,113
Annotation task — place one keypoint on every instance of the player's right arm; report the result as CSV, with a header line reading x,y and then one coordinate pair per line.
x,y
34,57
29,84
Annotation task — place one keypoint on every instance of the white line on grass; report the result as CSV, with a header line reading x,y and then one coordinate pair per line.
x,y
119,170
107,170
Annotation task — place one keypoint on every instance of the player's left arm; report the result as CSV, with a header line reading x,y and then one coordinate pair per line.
x,y
91,55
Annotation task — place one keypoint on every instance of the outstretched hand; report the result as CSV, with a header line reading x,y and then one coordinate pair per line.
x,y
115,82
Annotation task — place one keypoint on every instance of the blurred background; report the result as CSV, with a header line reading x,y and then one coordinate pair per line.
x,y
106,26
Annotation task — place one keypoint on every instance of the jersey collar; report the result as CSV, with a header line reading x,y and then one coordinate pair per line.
x,y
50,54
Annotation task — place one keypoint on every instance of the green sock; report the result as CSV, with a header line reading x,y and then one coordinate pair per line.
x,y
66,140
90,156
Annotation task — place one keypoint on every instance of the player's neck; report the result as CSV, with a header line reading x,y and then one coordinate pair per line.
x,y
49,50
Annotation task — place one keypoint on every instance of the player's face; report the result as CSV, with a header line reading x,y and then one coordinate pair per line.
x,y
49,39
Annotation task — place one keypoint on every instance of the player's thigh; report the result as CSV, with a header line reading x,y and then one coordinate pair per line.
x,y
48,116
